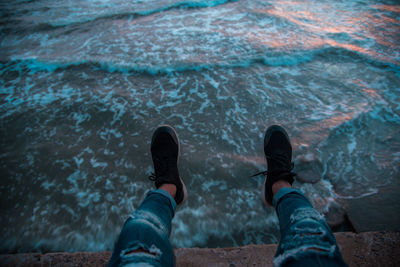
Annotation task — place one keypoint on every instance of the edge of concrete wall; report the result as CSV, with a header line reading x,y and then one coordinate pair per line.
x,y
362,249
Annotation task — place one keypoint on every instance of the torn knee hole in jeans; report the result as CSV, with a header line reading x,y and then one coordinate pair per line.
x,y
305,214
310,239
304,230
317,249
297,252
311,234
142,249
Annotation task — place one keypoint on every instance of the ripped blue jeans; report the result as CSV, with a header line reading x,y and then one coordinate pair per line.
x,y
306,239
146,233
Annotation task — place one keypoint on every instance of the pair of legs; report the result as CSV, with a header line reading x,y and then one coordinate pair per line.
x,y
306,239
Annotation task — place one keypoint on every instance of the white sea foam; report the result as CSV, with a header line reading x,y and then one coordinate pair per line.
x,y
82,92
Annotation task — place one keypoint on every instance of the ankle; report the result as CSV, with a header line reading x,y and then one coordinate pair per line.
x,y
278,185
170,188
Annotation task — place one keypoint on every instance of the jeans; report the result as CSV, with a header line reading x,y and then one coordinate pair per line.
x,y
147,232
306,239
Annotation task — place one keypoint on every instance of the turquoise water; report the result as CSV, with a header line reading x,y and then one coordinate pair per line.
x,y
84,84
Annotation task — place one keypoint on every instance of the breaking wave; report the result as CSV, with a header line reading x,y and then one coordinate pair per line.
x,y
277,59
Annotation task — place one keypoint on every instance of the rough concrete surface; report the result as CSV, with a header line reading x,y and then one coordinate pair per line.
x,y
363,249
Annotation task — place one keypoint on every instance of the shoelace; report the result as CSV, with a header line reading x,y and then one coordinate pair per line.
x,y
163,167
282,160
152,177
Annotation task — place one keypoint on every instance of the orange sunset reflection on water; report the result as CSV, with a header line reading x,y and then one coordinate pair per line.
x,y
323,26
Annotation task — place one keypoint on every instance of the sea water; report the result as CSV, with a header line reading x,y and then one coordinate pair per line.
x,y
83,84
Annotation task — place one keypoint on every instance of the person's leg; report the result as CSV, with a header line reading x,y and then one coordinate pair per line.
x,y
306,239
144,236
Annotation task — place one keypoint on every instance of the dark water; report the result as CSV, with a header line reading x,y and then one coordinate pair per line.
x,y
83,84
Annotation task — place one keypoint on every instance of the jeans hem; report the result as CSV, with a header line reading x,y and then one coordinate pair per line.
x,y
167,195
283,192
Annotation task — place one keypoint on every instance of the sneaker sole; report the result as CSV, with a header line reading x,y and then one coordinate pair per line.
x,y
267,136
174,135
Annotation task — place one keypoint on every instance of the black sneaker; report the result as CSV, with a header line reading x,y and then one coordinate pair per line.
x,y
165,152
278,152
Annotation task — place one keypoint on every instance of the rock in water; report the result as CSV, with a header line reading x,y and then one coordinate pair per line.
x,y
308,168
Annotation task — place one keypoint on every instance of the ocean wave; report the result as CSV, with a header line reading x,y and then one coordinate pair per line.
x,y
118,14
275,59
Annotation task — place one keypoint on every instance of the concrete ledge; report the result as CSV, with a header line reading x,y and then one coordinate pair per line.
x,y
364,249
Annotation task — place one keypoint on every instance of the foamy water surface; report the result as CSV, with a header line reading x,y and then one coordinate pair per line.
x,y
84,84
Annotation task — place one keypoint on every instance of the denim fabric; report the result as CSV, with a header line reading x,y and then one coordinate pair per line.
x,y
148,230
306,239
